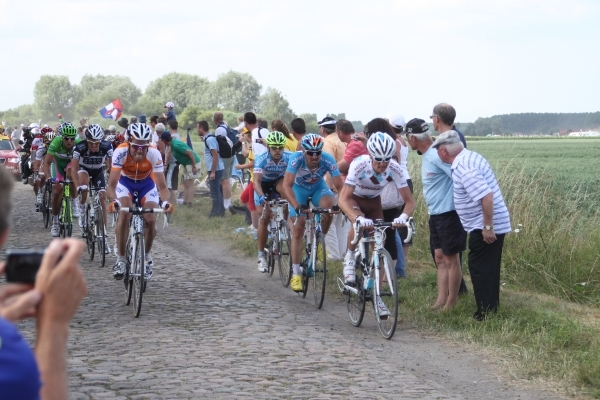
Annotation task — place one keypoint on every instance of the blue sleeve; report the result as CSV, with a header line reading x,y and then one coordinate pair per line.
x,y
330,164
211,143
447,168
261,160
294,163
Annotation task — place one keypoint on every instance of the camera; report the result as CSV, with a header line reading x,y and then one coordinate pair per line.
x,y
22,265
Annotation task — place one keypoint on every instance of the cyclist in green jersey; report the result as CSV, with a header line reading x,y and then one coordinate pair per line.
x,y
59,155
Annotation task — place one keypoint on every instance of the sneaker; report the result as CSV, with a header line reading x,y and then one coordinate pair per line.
x,y
76,210
106,246
349,271
148,271
262,265
55,230
119,270
383,310
81,223
38,199
296,283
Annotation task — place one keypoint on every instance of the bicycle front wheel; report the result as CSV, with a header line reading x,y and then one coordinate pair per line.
x,y
320,271
128,279
46,206
88,232
389,296
100,236
284,260
270,255
68,216
138,274
355,302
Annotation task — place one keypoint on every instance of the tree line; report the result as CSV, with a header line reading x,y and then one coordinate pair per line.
x,y
196,98
532,123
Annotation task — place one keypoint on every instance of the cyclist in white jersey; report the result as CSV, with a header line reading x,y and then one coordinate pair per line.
x,y
360,197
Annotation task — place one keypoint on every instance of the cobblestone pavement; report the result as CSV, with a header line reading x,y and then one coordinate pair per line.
x,y
205,333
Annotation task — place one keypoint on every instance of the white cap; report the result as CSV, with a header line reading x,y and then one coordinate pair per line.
x,y
397,120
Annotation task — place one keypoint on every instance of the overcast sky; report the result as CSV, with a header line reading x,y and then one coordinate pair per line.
x,y
364,58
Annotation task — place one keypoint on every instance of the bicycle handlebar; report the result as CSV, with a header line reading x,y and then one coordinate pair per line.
x,y
380,224
141,210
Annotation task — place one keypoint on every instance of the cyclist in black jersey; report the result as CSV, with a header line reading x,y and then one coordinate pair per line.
x,y
89,158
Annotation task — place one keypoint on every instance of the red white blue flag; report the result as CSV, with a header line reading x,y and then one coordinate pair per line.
x,y
113,110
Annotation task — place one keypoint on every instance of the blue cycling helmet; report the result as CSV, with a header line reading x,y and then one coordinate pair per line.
x,y
312,142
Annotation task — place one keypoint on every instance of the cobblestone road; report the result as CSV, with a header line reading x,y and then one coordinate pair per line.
x,y
204,333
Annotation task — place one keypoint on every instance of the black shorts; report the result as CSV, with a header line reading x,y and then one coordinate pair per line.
x,y
447,233
270,189
96,176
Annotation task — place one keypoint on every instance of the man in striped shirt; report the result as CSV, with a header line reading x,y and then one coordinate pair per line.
x,y
483,214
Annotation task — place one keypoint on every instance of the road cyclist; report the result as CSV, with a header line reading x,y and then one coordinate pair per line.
x,y
40,177
89,158
360,197
137,170
58,157
304,179
269,169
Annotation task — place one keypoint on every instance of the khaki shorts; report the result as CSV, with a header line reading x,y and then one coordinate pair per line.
x,y
189,174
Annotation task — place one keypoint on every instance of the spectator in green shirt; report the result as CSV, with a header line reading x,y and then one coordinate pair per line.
x,y
188,158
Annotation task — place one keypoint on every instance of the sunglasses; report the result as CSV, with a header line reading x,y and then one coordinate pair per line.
x,y
93,142
313,153
276,148
384,160
69,139
137,147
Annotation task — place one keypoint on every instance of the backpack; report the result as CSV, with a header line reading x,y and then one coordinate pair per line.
x,y
232,134
225,146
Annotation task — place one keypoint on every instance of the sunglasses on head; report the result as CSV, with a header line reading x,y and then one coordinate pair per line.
x,y
380,159
313,153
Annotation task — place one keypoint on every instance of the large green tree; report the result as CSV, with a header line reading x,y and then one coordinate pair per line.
x,y
274,106
235,91
54,94
181,89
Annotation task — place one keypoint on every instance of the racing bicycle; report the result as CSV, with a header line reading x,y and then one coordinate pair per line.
x,y
93,225
278,246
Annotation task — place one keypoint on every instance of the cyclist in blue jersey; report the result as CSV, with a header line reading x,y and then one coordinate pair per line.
x,y
269,168
304,178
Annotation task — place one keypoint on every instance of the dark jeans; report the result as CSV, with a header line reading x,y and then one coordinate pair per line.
x,y
216,195
484,266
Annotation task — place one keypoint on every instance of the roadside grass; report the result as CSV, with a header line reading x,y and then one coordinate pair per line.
x,y
534,337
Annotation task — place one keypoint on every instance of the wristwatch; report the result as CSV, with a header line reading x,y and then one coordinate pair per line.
x,y
488,227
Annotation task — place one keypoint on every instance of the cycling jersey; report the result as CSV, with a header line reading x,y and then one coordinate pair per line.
x,y
89,160
62,156
311,179
36,143
137,171
270,171
41,152
370,184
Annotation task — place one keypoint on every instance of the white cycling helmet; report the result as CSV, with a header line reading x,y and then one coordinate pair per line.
x,y
139,131
381,146
169,105
34,125
94,132
36,131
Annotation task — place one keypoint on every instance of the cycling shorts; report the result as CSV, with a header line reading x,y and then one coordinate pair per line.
x,y
269,189
57,172
302,194
146,189
96,177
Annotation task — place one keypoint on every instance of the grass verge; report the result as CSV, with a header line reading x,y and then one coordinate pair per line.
x,y
534,337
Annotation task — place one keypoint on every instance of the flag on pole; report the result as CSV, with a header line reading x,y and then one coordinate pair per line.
x,y
189,140
113,110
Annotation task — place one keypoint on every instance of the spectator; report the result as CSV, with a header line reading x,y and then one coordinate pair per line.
x,y
53,299
247,196
221,130
354,147
153,123
170,115
172,163
81,132
291,144
16,136
483,215
214,169
447,237
337,236
142,119
123,123
160,145
112,130
397,122
133,120
259,133
186,157
443,120
83,122
298,130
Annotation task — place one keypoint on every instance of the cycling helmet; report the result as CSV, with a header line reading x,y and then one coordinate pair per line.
x,y
381,146
94,132
34,125
36,131
46,130
276,138
110,138
48,137
119,137
139,131
60,127
169,105
69,131
312,142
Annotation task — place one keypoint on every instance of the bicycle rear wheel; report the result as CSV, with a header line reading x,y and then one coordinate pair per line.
x,y
320,271
138,274
284,260
99,236
68,216
355,303
389,295
270,256
127,278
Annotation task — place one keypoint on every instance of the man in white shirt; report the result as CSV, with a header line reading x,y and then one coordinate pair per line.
x,y
259,134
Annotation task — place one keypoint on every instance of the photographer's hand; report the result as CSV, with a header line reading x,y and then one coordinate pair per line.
x,y
17,300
